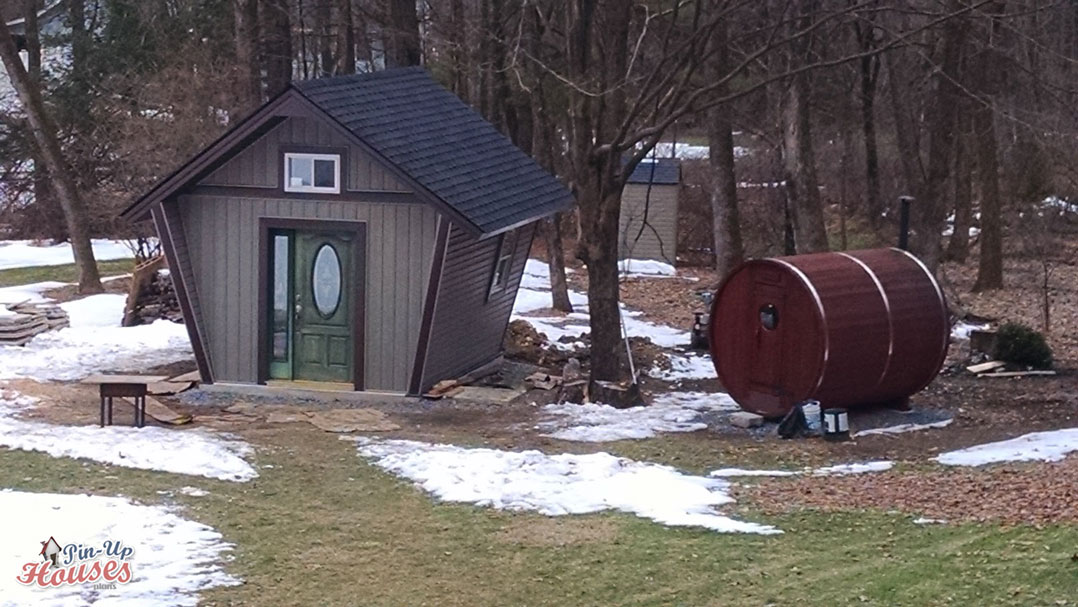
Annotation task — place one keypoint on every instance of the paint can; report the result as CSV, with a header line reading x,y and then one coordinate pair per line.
x,y
836,425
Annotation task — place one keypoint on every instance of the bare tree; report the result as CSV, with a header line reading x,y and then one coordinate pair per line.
x,y
276,33
247,54
727,245
44,134
402,34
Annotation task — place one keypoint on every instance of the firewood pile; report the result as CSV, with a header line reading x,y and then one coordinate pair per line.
x,y
156,299
24,321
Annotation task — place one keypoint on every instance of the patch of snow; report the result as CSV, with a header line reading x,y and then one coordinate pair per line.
x,y
537,297
173,558
1064,205
194,491
28,293
670,412
732,472
844,469
901,428
195,452
929,521
95,342
645,267
25,254
961,329
1049,446
693,366
556,485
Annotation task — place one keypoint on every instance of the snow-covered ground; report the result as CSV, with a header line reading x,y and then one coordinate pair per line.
x,y
26,253
94,342
195,452
691,366
670,412
1064,205
836,470
687,151
645,267
962,329
534,295
1049,446
173,558
903,428
557,485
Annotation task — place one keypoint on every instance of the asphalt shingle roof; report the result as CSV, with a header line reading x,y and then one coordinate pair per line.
x,y
667,171
441,143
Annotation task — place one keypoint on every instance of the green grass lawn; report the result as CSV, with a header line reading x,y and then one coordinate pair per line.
x,y
61,273
321,527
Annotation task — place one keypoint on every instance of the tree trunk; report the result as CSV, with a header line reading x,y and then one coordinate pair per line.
x,y
870,69
346,40
559,287
990,265
250,72
726,220
277,44
909,151
457,46
323,19
402,35
49,148
44,201
806,210
930,209
958,245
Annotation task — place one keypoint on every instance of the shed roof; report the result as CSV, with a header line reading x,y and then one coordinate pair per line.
x,y
658,171
433,138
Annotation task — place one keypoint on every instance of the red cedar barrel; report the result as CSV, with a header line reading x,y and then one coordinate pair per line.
x,y
851,328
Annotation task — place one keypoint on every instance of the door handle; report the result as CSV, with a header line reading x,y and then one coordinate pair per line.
x,y
299,310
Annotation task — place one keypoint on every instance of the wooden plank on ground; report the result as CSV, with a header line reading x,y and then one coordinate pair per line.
x,y
165,388
991,365
193,376
159,411
1016,373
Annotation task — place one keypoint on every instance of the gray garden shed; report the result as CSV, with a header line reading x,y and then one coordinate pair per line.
x,y
363,232
649,205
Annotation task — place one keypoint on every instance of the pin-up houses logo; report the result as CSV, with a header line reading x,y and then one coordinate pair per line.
x,y
75,564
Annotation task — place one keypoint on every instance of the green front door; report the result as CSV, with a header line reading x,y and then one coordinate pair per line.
x,y
323,288
312,323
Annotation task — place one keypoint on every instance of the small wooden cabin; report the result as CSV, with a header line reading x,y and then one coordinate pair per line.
x,y
365,232
648,222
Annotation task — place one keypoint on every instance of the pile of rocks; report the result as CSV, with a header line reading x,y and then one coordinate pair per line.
x,y
21,322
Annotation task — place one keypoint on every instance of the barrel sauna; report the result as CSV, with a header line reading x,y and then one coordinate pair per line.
x,y
846,329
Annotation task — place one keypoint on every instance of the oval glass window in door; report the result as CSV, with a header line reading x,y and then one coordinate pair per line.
x,y
326,280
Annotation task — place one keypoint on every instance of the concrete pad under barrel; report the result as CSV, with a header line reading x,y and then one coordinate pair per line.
x,y
483,394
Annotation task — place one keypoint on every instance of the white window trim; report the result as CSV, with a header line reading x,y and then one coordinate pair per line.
x,y
288,187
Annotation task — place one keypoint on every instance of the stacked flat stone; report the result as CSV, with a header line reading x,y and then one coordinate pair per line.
x,y
24,321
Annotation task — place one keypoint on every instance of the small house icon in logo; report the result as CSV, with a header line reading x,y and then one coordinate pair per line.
x,y
50,551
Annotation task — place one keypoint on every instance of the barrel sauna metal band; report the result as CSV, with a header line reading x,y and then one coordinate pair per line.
x,y
887,306
823,315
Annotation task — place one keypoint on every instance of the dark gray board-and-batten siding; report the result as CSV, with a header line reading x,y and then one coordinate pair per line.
x,y
222,236
468,327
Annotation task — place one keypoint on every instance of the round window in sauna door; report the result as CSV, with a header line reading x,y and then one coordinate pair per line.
x,y
326,281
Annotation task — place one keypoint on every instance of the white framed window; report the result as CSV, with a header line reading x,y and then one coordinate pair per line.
x,y
320,173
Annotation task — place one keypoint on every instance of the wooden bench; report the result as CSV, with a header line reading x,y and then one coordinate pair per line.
x,y
123,386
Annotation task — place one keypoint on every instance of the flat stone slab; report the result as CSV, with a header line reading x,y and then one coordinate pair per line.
x,y
351,420
500,396
744,419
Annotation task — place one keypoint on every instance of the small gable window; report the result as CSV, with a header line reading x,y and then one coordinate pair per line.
x,y
319,173
503,263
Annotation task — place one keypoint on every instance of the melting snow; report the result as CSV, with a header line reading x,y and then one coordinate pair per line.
x,y
671,412
645,267
962,329
693,366
95,342
902,428
24,253
844,469
537,297
556,485
732,472
1038,446
173,558
195,452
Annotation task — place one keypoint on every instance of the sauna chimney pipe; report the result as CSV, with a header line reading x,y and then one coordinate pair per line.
x,y
904,222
